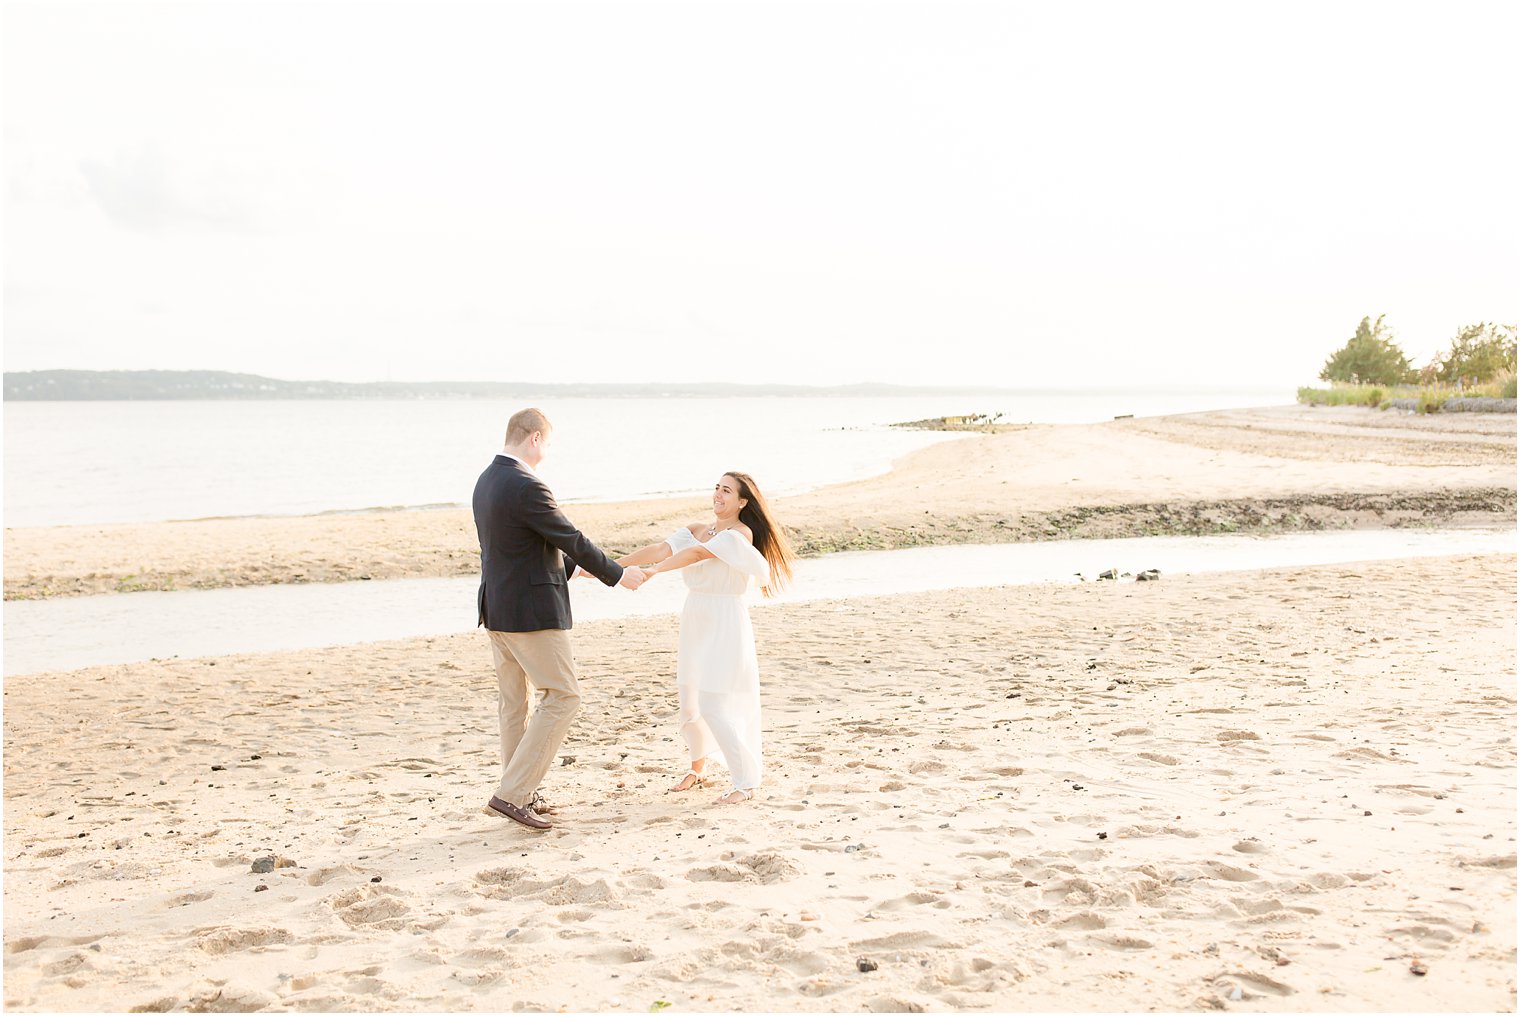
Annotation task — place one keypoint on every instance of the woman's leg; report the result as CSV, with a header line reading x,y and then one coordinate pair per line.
x,y
734,721
699,739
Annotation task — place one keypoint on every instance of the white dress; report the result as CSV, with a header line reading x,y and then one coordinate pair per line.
x,y
717,675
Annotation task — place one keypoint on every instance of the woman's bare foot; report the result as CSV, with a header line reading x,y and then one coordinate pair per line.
x,y
690,780
735,797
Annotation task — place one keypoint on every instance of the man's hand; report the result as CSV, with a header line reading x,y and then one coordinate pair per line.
x,y
633,577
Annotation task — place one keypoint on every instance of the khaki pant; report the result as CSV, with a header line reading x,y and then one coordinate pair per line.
x,y
541,659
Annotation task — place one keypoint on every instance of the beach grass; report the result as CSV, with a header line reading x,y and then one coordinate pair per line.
x,y
1427,398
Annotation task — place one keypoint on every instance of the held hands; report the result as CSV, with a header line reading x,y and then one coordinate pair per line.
x,y
633,576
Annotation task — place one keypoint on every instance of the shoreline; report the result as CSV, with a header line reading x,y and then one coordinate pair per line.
x,y
1277,469
1093,797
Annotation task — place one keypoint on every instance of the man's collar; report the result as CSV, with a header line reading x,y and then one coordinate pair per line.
x,y
520,462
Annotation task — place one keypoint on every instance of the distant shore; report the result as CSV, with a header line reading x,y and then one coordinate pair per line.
x,y
1251,471
179,385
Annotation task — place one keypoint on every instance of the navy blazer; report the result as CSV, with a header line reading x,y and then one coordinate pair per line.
x,y
525,541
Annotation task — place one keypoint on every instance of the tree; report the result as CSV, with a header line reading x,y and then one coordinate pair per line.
x,y
1370,358
1478,353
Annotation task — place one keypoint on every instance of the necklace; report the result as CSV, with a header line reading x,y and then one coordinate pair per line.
x,y
713,530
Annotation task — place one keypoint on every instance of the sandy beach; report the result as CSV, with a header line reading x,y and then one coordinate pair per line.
x,y
1256,470
1280,790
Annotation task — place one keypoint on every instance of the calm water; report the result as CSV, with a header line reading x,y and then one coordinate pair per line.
x,y
64,634
71,463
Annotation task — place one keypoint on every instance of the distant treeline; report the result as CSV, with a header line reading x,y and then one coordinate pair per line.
x,y
121,385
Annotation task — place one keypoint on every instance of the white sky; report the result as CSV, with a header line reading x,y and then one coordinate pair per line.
x,y
1015,194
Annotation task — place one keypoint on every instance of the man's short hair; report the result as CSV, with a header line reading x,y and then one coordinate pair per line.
x,y
524,422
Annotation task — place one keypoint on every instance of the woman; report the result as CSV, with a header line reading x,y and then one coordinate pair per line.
x,y
717,676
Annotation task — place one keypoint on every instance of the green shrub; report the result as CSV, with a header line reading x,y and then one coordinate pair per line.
x,y
1478,353
1369,357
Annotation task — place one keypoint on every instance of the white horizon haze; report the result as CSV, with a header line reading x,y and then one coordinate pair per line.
x,y
1012,195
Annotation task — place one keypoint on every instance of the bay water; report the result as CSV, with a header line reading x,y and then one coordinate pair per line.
x,y
78,463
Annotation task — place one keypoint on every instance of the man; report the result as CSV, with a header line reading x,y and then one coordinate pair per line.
x,y
525,608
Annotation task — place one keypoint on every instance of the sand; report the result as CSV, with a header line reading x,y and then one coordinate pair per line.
x,y
1278,791
1260,470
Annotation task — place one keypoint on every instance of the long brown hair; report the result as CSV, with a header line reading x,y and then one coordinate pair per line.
x,y
770,538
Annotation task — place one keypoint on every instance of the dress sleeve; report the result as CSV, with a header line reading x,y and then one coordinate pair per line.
x,y
680,540
737,552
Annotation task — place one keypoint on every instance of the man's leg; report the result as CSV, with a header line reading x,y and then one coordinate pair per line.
x,y
512,706
545,657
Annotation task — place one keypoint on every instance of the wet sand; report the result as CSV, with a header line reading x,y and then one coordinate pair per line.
x,y
1261,470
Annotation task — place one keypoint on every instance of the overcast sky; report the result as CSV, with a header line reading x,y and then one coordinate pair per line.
x,y
1016,194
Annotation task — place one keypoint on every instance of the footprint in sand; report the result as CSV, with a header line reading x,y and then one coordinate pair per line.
x,y
627,952
1086,920
1497,861
894,1003
1122,943
1370,754
1148,829
915,899
1423,933
374,906
1249,982
219,941
765,868
1230,873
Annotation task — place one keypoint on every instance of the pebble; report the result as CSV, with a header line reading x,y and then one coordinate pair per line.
x,y
269,862
1149,575
854,847
1418,968
808,915
375,878
261,888
865,965
1237,994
